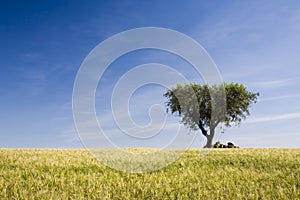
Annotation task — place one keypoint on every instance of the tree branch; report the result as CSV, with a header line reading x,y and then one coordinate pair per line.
x,y
204,132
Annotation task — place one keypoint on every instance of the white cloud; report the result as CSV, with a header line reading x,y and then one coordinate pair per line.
x,y
63,118
277,98
273,118
271,84
30,56
253,48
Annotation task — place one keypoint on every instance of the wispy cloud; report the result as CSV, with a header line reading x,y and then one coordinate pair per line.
x,y
277,98
253,48
61,118
70,134
30,56
270,118
31,74
31,88
271,84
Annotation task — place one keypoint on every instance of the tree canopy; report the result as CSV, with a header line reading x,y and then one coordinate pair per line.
x,y
204,107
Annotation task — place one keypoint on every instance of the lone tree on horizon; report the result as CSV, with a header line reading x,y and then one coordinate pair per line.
x,y
194,104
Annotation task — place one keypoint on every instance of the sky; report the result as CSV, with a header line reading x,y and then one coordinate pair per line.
x,y
44,43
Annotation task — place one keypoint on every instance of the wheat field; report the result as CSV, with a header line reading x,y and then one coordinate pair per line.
x,y
221,174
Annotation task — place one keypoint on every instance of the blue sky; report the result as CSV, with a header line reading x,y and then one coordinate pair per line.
x,y
43,44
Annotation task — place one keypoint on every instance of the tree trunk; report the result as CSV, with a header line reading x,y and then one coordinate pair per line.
x,y
210,138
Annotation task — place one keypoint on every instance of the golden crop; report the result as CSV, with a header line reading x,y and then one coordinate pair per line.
x,y
221,174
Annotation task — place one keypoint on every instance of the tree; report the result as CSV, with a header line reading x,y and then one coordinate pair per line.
x,y
204,107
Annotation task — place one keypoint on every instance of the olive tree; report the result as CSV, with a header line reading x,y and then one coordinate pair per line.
x,y
204,107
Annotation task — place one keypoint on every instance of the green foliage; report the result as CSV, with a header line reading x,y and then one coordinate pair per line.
x,y
238,102
221,174
204,107
194,103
